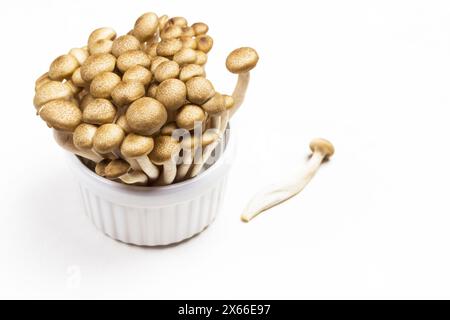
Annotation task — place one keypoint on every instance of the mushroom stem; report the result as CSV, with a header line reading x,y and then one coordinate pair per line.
x,y
275,194
148,167
183,168
239,91
65,140
169,173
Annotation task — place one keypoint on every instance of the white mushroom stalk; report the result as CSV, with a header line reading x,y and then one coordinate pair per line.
x,y
275,194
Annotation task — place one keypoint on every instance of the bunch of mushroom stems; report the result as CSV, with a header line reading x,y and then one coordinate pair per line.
x,y
139,106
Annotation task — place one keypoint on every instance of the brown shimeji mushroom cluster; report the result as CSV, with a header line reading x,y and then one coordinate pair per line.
x,y
118,101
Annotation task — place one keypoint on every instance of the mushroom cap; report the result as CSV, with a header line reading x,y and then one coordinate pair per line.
x,y
43,79
171,32
116,168
108,138
191,70
205,43
188,42
83,136
61,114
122,122
178,21
138,73
99,111
171,93
51,90
199,90
188,32
185,56
77,79
63,67
169,128
189,116
215,105
200,28
156,62
102,33
242,60
167,70
100,46
126,92
100,167
167,48
80,54
165,148
96,64
132,58
135,146
146,116
146,26
125,43
202,58
103,84
323,146
85,100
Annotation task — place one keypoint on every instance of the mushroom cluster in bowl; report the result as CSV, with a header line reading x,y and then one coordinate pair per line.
x,y
138,108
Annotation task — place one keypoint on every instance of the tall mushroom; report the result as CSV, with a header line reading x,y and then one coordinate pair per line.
x,y
137,147
164,153
273,195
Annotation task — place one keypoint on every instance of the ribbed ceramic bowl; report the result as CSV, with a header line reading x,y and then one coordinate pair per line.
x,y
154,216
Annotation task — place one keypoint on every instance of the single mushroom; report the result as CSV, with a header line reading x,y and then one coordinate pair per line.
x,y
167,70
65,140
104,33
204,43
190,71
139,74
61,114
172,94
146,116
156,62
96,64
99,111
103,84
132,58
171,32
77,79
137,147
100,46
126,92
63,67
185,56
120,169
200,28
199,90
146,26
178,21
190,116
202,58
51,90
273,195
108,138
167,48
164,153
83,140
80,54
125,43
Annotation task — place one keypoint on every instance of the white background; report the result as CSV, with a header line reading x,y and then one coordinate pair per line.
x,y
371,76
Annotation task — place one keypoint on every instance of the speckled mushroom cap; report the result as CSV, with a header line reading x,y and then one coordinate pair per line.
x,y
190,115
167,48
63,67
135,146
83,136
169,128
132,58
108,138
125,43
171,93
165,148
167,70
242,60
96,64
99,111
51,90
116,168
138,73
323,146
199,90
61,114
215,105
190,71
146,26
102,33
103,84
146,116
126,92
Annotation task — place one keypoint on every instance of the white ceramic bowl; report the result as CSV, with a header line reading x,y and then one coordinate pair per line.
x,y
154,216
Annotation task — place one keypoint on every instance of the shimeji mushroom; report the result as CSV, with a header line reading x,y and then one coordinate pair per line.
x,y
156,62
185,56
215,107
63,67
104,33
80,54
190,116
123,44
171,32
61,114
204,43
83,140
199,90
126,92
190,71
100,46
99,111
108,138
172,94
169,128
167,70
103,84
146,116
138,73
77,79
120,169
146,26
51,90
167,48
164,153
65,140
202,58
200,28
273,195
96,64
137,147
132,58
